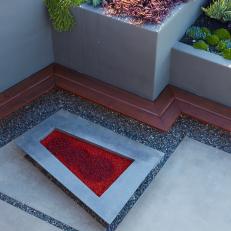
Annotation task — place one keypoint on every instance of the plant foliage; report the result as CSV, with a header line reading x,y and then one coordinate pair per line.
x,y
60,13
222,33
95,3
201,45
212,40
224,44
227,53
142,11
219,10
196,33
218,41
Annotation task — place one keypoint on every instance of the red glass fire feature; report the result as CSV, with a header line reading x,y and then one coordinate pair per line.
x,y
95,166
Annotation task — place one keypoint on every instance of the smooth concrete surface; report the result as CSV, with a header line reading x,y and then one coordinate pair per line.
x,y
24,182
134,58
113,200
191,192
14,219
202,73
25,38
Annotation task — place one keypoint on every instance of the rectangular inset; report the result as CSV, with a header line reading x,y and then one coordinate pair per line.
x,y
95,166
100,168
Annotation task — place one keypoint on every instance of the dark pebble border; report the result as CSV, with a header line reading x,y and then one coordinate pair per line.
x,y
35,212
26,118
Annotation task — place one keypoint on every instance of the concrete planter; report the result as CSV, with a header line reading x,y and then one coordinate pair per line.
x,y
26,41
134,58
202,73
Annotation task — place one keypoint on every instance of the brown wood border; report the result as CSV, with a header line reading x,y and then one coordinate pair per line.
x,y
26,91
160,113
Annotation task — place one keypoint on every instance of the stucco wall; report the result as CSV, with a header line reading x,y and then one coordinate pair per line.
x,y
202,73
25,40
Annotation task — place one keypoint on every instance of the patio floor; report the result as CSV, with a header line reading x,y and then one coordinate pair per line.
x,y
191,192
14,219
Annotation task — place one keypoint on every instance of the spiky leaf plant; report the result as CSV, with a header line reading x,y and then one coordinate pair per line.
x,y
95,3
219,10
60,13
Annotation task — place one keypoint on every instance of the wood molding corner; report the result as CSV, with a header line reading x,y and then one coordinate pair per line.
x,y
161,113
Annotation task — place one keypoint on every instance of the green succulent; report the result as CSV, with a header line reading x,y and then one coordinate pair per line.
x,y
227,53
219,10
212,40
95,3
206,30
222,33
196,33
202,45
60,13
223,44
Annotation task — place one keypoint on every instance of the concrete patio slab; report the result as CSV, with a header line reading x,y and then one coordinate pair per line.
x,y
14,219
191,192
24,182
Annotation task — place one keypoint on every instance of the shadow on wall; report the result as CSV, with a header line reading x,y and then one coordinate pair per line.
x,y
25,38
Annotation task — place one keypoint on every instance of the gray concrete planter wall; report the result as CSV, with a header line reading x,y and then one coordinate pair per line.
x,y
202,73
134,58
25,38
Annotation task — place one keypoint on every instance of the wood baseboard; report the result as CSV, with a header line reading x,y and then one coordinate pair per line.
x,y
157,114
160,113
203,109
26,91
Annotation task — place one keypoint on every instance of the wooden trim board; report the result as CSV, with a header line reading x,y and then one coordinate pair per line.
x,y
26,91
161,113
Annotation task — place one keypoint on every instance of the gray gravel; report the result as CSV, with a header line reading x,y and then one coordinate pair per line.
x,y
42,108
26,118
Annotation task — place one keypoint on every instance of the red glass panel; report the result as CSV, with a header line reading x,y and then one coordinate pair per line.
x,y
95,166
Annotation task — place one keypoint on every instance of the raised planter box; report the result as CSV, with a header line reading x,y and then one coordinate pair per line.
x,y
134,58
202,73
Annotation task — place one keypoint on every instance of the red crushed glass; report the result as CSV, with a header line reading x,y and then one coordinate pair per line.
x,y
95,166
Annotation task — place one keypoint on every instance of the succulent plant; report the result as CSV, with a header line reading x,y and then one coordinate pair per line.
x,y
206,30
142,11
95,3
227,53
202,45
60,14
196,33
222,33
223,44
219,10
212,40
